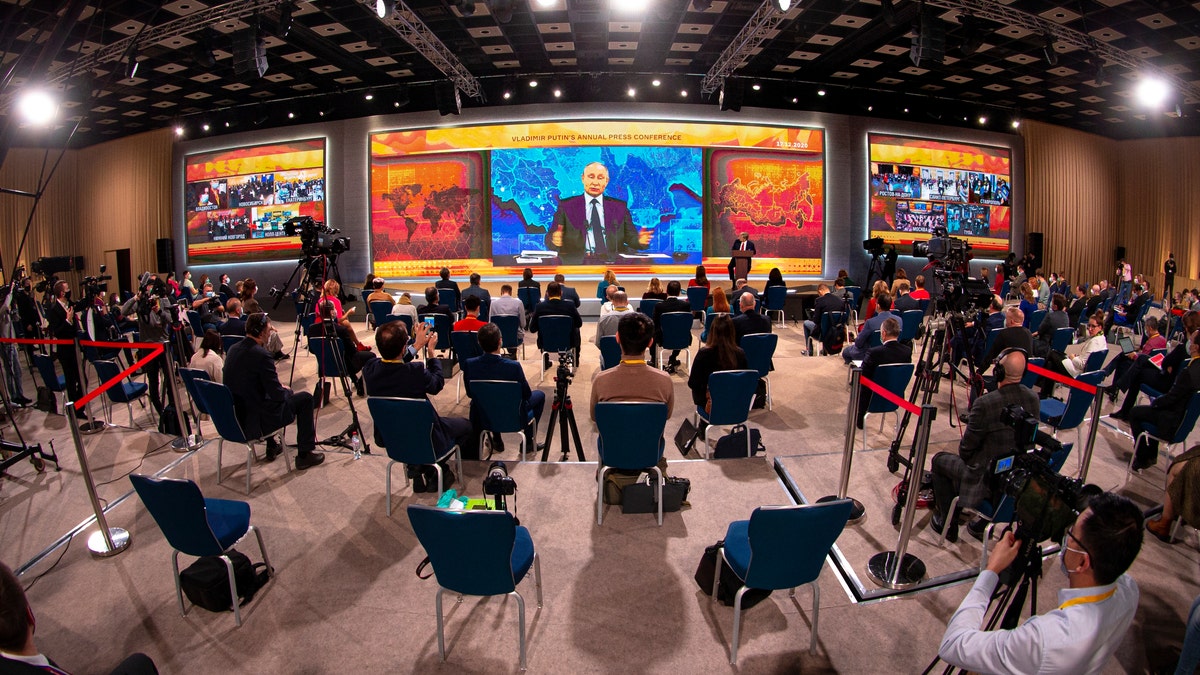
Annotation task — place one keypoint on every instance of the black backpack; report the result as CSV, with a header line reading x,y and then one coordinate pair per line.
x,y
834,340
206,581
424,477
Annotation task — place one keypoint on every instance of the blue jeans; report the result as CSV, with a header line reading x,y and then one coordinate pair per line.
x,y
1189,656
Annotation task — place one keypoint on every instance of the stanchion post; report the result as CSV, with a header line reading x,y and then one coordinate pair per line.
x,y
857,510
108,541
1086,460
898,569
186,442
93,425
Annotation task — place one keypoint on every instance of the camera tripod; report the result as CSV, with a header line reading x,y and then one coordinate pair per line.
x,y
874,270
334,346
562,404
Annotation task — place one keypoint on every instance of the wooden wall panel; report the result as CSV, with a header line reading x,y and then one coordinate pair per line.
x,y
53,231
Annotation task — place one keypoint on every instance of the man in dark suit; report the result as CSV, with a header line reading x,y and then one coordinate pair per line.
x,y
1167,411
750,321
485,298
891,351
858,350
445,283
397,373
432,306
1127,315
491,366
1014,335
673,303
743,243
554,305
987,437
61,317
1056,318
904,301
234,323
568,292
1077,305
826,302
594,225
1093,304
263,405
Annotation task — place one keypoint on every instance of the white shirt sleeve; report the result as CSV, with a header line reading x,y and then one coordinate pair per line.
x,y
996,651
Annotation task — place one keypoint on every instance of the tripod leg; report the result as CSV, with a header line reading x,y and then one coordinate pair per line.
x,y
550,432
575,434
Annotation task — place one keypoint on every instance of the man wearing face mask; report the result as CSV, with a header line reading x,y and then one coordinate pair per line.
x,y
1094,610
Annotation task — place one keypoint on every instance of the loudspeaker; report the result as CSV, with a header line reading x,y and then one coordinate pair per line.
x,y
1034,245
732,93
166,255
928,41
1119,253
78,260
448,100
249,53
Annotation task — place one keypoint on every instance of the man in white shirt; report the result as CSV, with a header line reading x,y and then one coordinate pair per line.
x,y
507,305
607,325
607,307
1093,613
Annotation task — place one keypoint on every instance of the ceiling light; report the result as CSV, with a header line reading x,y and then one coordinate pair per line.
x,y
227,125
384,8
533,83
322,113
656,82
632,92
466,7
683,93
558,93
783,5
178,131
795,100
395,104
369,96
1151,91
546,3
507,95
131,72
1016,124
632,6
291,116
37,107
205,127
870,108
906,110
820,92
756,86
982,120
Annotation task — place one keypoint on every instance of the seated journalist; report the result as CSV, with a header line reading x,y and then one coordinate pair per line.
x,y
491,366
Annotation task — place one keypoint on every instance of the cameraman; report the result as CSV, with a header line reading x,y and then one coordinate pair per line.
x,y
207,303
61,317
154,325
986,438
1094,611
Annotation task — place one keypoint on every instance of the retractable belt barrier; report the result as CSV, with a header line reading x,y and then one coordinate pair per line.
x,y
1097,393
155,350
891,398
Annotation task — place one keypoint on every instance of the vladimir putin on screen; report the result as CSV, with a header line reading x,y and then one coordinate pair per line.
x,y
592,225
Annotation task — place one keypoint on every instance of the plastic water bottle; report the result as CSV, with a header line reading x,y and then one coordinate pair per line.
x,y
356,445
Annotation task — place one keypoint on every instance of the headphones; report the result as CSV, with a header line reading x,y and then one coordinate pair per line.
x,y
256,324
998,368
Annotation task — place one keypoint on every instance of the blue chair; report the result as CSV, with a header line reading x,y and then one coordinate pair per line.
x,y
732,394
529,296
631,439
500,402
708,319
443,326
676,334
124,391
760,351
776,296
330,358
510,332
446,297
1062,338
197,328
874,339
856,297
1030,379
306,322
53,381
1151,432
1064,416
556,336
646,306
895,378
228,341
478,553
610,352
781,547
991,338
189,377
197,526
465,344
405,427
380,310
910,322
924,306
1005,288
829,320
219,401
1095,360
697,297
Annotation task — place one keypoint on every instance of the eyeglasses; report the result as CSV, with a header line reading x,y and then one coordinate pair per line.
x,y
1068,535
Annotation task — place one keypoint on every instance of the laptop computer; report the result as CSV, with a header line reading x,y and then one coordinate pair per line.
x,y
1126,343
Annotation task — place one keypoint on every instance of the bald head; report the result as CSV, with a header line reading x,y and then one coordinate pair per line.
x,y
1013,316
747,301
620,298
1014,367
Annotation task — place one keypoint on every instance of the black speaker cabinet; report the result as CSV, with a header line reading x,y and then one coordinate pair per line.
x,y
166,255
732,94
448,100
1119,253
1034,245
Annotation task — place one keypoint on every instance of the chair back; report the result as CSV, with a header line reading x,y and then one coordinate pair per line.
x,y
471,551
406,427
465,344
1189,419
788,544
510,330
874,339
189,377
610,352
228,341
676,330
45,367
776,296
991,338
1031,378
708,319
1034,320
1079,401
924,305
443,326
500,402
646,306
528,295
855,297
121,392
1005,288
732,393
380,309
218,399
910,321
364,293
697,297
894,377
1062,338
631,433
446,297
760,349
828,321
1095,360
556,333
306,322
194,319
327,351
178,507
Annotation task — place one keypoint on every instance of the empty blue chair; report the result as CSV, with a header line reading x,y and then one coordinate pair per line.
x,y
910,322
1030,379
443,326
219,401
446,297
631,439
894,377
465,344
610,352
697,297
781,547
510,332
1064,416
646,306
1062,338
405,427
760,351
676,334
555,334
197,526
477,553
124,391
500,404
197,328
1005,288
732,394
380,310
189,377
53,381
776,296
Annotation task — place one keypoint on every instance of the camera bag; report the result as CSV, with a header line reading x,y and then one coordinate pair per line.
x,y
639,497
729,584
206,581
733,444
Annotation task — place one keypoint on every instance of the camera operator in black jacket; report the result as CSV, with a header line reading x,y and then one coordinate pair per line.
x,y
61,317
154,325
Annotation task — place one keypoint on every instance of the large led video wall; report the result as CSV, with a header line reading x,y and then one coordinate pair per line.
x,y
669,195
919,185
236,201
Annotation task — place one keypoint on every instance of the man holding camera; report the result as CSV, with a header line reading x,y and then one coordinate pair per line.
x,y
264,405
61,318
154,325
207,304
1094,611
986,438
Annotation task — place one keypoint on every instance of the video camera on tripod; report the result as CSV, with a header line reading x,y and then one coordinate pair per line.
x,y
316,238
92,288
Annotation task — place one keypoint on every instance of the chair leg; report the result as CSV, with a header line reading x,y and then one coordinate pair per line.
x,y
178,587
537,577
387,483
263,549
441,485
440,627
658,486
249,465
812,641
237,610
600,495
770,403
946,525
520,626
220,447
717,574
737,624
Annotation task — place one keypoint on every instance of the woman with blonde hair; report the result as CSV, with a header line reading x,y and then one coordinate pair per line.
x,y
329,293
654,291
879,288
610,279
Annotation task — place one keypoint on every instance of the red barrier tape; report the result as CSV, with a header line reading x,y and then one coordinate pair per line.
x,y
1063,379
155,350
892,398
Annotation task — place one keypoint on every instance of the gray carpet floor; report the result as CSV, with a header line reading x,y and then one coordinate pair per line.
x,y
618,597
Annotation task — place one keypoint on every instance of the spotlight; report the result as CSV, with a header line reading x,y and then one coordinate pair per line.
x,y
982,120
205,127
783,5
507,95
132,68
546,3
37,107
756,86
683,93
629,6
906,110
870,108
464,7
656,82
1016,124
820,92
888,10
972,35
291,116
1048,50
631,92
558,93
369,95
384,8
1151,91
533,83
179,131
795,100
402,97
702,5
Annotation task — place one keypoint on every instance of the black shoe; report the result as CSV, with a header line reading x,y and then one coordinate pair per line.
x,y
273,451
22,402
279,356
1139,463
307,460
1119,415
545,361
359,387
1112,395
670,369
938,523
977,528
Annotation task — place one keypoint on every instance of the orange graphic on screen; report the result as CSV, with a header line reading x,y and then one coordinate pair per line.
x,y
427,208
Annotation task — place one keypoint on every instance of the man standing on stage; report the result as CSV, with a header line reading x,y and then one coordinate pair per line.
x,y
743,243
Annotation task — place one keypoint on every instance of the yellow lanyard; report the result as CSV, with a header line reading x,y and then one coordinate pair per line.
x,y
634,362
1088,598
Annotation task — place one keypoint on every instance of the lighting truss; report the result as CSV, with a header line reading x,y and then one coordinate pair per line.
x,y
405,23
758,29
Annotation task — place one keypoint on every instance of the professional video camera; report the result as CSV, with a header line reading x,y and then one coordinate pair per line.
x,y
961,293
874,246
949,252
1046,502
316,239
